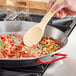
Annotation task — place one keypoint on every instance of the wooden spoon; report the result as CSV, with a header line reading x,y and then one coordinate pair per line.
x,y
34,35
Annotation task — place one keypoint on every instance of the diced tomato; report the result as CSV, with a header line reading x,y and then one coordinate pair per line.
x,y
56,42
42,49
15,35
19,47
50,38
49,45
2,49
12,44
58,48
46,53
47,42
47,37
10,35
41,53
12,50
11,55
3,37
5,52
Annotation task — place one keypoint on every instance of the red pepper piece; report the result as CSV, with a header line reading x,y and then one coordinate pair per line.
x,y
11,55
50,38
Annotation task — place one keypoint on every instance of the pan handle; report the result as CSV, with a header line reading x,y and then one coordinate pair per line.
x,y
44,62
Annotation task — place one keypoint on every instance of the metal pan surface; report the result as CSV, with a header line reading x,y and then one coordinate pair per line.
x,y
7,27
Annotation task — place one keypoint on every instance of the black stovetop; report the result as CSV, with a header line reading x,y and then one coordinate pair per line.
x,y
25,71
66,25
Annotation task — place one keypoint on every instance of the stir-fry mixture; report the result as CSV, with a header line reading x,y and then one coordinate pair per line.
x,y
12,46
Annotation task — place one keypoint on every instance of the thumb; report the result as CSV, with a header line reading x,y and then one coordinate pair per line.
x,y
59,6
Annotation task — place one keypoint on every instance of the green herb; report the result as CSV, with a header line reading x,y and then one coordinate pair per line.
x,y
38,52
1,45
44,46
1,50
6,56
48,50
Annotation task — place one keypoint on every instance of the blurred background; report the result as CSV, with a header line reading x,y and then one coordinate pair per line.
x,y
33,6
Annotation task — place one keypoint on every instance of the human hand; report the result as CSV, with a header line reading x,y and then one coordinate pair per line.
x,y
66,8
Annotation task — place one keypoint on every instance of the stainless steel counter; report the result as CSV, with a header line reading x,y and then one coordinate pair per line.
x,y
66,67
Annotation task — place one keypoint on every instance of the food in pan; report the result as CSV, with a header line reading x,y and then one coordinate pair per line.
x,y
12,47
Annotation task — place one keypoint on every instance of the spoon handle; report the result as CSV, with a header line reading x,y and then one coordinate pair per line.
x,y
49,15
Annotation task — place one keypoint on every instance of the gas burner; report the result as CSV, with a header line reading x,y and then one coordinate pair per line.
x,y
18,16
2,15
34,69
23,17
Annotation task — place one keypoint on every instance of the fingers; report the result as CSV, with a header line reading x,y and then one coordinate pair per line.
x,y
69,12
60,6
60,14
51,2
